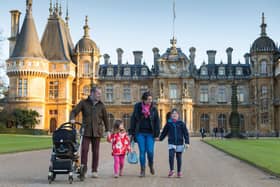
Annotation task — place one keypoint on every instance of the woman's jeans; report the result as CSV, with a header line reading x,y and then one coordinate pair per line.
x,y
146,145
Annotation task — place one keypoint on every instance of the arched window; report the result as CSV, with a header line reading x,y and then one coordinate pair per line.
x,y
263,67
111,119
222,121
126,121
204,122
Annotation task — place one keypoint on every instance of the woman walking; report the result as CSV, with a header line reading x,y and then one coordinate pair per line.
x,y
144,128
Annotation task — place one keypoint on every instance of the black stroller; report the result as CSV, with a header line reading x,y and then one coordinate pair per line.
x,y
65,153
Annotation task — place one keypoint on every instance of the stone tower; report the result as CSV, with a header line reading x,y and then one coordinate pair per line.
x,y
27,66
261,83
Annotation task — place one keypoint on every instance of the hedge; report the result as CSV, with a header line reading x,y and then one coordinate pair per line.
x,y
23,131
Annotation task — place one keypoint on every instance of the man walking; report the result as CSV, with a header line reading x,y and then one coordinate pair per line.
x,y
202,132
95,117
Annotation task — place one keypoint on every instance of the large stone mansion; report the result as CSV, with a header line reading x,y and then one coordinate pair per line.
x,y
52,75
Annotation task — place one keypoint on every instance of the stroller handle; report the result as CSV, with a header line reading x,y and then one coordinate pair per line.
x,y
69,124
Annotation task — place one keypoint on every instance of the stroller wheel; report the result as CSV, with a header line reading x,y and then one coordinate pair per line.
x,y
70,178
51,177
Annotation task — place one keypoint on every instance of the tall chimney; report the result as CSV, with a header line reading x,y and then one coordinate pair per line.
x,y
229,55
211,56
106,58
15,16
192,54
156,54
138,57
119,52
247,58
156,57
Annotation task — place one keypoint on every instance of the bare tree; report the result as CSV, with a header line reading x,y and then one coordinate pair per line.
x,y
3,77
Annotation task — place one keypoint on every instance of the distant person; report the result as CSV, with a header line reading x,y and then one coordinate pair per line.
x,y
178,139
215,131
202,132
222,131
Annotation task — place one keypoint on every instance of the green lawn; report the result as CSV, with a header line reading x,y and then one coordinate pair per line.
x,y
263,153
10,143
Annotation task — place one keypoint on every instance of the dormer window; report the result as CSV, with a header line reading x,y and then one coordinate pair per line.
x,y
126,71
110,72
204,71
238,71
144,71
221,71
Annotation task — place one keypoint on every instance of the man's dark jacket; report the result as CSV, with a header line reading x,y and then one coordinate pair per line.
x,y
94,117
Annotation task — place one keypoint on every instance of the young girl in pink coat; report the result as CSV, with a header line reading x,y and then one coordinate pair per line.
x,y
120,146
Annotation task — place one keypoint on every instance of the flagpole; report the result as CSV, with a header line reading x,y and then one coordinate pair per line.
x,y
174,16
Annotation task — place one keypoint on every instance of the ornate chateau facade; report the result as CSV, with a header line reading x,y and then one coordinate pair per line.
x,y
51,76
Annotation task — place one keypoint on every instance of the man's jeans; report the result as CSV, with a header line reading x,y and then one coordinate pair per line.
x,y
146,145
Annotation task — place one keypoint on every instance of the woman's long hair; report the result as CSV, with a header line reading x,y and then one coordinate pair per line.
x,y
146,95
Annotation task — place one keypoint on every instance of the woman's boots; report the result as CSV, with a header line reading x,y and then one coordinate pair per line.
x,y
152,170
142,171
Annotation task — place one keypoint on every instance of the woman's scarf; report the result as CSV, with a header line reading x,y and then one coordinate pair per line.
x,y
146,109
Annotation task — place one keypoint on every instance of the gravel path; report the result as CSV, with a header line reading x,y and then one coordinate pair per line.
x,y
203,166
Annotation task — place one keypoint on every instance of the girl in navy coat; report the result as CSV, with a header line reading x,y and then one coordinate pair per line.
x,y
178,138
